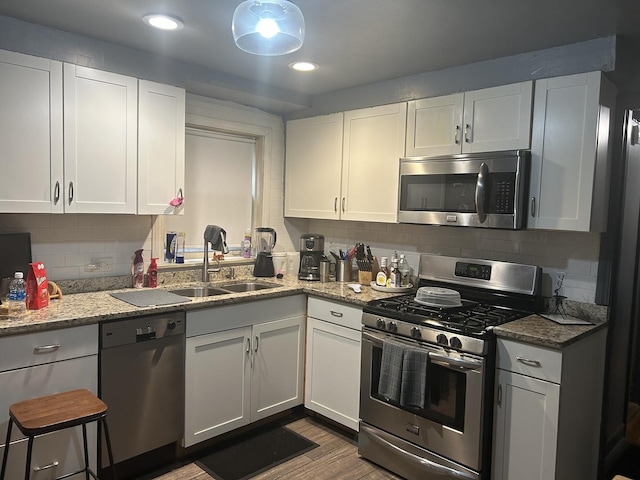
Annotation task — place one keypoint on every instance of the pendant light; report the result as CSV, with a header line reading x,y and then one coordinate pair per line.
x,y
268,27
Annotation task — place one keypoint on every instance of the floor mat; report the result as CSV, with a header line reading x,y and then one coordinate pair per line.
x,y
255,454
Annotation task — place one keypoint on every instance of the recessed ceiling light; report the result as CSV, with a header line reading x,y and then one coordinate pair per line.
x,y
303,66
163,22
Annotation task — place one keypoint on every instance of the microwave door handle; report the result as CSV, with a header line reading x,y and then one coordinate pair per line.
x,y
480,192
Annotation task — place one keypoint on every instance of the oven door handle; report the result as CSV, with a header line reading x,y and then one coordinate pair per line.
x,y
454,362
423,462
481,184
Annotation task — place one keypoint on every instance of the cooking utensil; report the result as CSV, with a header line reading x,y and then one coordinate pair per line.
x,y
369,254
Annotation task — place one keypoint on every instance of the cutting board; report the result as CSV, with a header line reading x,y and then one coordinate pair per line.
x,y
150,298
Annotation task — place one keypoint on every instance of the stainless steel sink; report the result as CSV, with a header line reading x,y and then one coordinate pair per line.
x,y
200,292
247,286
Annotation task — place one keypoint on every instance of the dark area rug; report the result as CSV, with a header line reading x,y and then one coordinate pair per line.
x,y
254,454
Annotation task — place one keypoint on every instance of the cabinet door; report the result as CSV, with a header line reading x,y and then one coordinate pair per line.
x,y
217,384
497,118
278,366
100,141
332,386
434,126
564,171
374,140
313,167
64,447
30,134
161,134
526,428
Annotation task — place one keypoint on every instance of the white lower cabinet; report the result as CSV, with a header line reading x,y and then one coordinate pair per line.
x,y
548,410
334,337
243,363
44,363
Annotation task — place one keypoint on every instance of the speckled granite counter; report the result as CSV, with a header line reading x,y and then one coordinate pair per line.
x,y
96,306
87,308
537,330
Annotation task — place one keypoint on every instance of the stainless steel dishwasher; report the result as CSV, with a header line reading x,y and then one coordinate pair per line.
x,y
142,382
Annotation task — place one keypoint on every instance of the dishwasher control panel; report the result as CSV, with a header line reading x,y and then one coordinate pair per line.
x,y
141,329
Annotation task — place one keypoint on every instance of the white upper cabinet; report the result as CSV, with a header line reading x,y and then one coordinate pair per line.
x,y
373,144
30,134
314,167
345,165
492,119
161,136
570,167
100,141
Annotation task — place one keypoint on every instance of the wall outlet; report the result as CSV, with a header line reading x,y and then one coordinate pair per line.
x,y
100,264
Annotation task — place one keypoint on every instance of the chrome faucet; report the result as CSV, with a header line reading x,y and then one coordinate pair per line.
x,y
205,264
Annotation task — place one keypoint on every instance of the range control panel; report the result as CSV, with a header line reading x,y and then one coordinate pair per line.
x,y
473,270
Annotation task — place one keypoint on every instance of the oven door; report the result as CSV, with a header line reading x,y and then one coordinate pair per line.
x,y
479,190
450,423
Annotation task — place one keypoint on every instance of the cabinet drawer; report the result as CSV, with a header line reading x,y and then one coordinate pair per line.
x,y
537,362
335,312
50,346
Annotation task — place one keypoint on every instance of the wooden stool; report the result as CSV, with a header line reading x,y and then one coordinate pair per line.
x,y
55,412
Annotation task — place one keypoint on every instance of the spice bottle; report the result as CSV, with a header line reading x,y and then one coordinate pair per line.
x,y
383,273
394,274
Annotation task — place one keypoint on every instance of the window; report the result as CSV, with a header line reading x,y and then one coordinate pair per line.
x,y
220,181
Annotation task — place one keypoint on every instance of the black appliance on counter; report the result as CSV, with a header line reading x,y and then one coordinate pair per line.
x,y
311,254
16,254
438,424
265,239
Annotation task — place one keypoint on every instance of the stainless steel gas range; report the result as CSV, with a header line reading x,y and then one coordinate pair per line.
x,y
428,368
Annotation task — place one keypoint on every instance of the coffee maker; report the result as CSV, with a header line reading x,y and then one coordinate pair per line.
x,y
311,254
264,241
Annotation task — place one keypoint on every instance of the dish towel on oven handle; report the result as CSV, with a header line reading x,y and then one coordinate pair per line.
x,y
391,370
414,377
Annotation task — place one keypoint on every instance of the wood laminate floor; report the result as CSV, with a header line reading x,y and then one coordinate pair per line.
x,y
335,458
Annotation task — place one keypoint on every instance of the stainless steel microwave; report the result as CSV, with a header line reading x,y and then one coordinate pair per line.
x,y
486,190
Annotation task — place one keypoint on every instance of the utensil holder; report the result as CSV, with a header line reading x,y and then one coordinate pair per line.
x,y
343,271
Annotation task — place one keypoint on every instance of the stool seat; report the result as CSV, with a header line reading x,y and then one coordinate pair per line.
x,y
52,413
41,415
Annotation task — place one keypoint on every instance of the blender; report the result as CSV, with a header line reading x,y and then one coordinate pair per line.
x,y
264,241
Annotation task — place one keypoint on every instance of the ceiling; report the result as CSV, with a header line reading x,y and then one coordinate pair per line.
x,y
355,42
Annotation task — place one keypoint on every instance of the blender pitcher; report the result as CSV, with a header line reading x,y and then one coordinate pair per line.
x,y
265,240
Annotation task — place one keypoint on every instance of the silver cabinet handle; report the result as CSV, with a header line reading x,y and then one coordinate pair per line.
x,y
256,347
456,135
533,206
335,204
467,129
46,467
248,345
344,199
56,193
529,362
483,173
46,348
336,314
70,192
499,399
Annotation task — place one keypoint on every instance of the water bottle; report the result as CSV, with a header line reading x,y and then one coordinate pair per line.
x,y
405,271
16,299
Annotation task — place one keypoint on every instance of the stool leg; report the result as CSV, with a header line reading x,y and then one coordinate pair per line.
x,y
108,440
86,451
6,449
27,468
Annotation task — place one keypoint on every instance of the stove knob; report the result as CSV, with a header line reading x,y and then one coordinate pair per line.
x,y
392,327
380,323
455,342
415,332
442,339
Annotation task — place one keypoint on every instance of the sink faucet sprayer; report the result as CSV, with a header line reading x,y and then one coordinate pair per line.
x,y
216,236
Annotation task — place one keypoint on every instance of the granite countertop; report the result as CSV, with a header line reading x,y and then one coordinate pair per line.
x,y
93,307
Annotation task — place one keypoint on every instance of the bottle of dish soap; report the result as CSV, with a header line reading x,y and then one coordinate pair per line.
x,y
152,273
137,270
